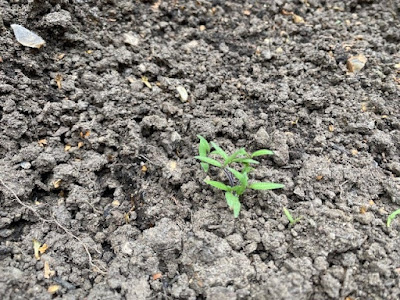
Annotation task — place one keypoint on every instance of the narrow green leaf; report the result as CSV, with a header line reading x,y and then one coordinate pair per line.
x,y
241,151
218,185
209,161
219,150
290,218
205,166
204,146
288,215
204,149
245,160
233,203
392,216
262,152
230,199
236,208
265,186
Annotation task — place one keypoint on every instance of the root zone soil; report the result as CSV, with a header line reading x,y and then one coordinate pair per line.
x,y
97,149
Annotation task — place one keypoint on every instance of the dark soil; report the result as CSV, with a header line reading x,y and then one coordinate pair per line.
x,y
101,167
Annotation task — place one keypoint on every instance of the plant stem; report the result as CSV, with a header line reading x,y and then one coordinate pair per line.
x,y
230,177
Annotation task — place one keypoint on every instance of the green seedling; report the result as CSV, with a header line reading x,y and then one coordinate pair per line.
x,y
238,180
392,216
204,150
290,218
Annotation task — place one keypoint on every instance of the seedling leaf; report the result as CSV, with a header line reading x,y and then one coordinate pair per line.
x,y
235,189
233,203
288,215
209,161
290,218
230,199
219,150
218,185
236,208
246,161
241,151
392,216
204,149
205,167
265,186
262,152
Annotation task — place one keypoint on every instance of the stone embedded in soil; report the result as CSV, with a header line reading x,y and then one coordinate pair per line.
x,y
60,18
25,165
183,95
356,63
131,38
26,37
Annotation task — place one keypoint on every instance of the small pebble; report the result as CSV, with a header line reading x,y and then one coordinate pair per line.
x,y
356,63
131,39
182,93
25,165
26,37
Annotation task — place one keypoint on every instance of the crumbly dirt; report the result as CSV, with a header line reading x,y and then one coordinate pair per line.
x,y
99,166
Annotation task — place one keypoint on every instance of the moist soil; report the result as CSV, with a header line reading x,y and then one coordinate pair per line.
x,y
97,149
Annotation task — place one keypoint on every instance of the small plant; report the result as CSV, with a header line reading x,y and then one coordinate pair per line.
x,y
289,217
238,180
392,216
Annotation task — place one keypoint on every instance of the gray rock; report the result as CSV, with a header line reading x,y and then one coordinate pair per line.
x,y
60,18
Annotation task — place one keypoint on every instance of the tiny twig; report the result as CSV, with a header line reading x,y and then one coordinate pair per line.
x,y
54,221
